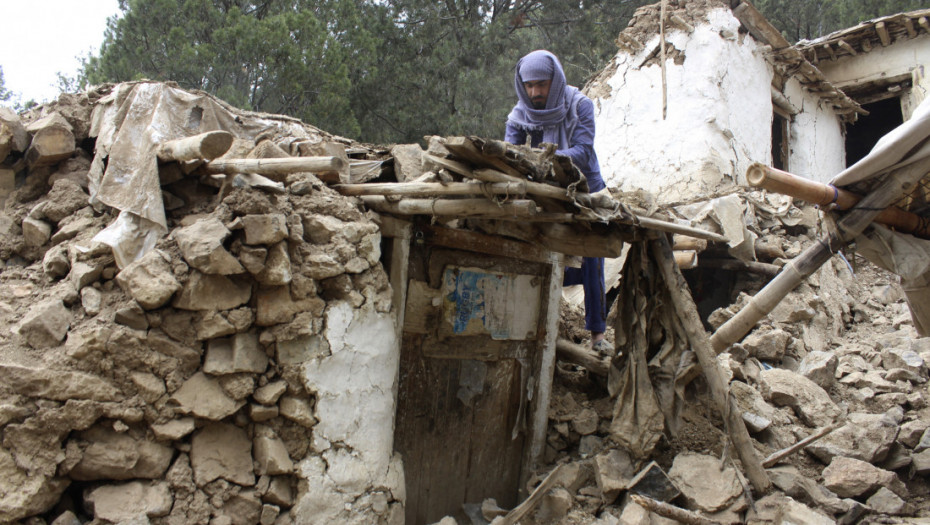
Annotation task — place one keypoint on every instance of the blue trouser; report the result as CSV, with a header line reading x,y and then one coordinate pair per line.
x,y
591,277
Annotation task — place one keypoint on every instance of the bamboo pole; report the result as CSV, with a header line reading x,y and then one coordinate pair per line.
x,y
774,458
432,189
900,181
681,242
671,511
735,265
697,337
277,169
451,207
825,194
206,146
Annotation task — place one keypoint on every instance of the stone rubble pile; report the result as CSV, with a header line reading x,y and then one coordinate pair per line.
x,y
204,382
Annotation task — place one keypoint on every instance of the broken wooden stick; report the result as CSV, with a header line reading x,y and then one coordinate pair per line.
x,y
671,512
206,146
697,337
451,207
276,169
433,189
686,259
736,265
775,457
581,356
530,503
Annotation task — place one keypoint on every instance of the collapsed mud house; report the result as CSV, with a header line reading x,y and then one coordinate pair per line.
x,y
271,350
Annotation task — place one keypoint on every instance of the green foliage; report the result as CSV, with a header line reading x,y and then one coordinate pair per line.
x,y
5,94
809,19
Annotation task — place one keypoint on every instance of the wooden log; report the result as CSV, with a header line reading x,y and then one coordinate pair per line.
x,y
432,189
559,237
463,147
669,227
775,457
582,356
735,265
924,23
909,27
684,242
276,169
52,141
845,45
898,182
672,512
680,22
866,45
687,313
451,207
686,259
529,504
814,192
487,244
883,34
206,146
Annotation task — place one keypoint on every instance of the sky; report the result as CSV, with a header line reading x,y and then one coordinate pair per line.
x,y
41,38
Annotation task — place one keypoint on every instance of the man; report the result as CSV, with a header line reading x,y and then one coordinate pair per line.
x,y
549,110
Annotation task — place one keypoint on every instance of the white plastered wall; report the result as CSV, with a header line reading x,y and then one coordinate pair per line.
x,y
816,139
718,121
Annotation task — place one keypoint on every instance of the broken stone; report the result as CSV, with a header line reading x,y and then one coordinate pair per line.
x,y
201,246
704,482
203,397
25,493
778,508
904,358
236,354
174,429
58,385
66,518
149,280
850,478
271,455
867,437
277,268
13,136
46,324
300,350
243,508
885,501
70,227
238,386
554,506
222,451
279,492
810,402
654,483
83,274
804,489
149,386
56,263
920,463
751,402
261,413
321,265
585,422
911,432
91,300
211,325
297,410
212,292
116,503
408,161
768,345
65,198
270,393
132,316
116,455
613,471
276,306
36,232
52,141
264,229
819,367
269,514
320,229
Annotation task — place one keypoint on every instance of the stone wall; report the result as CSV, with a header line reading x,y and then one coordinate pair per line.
x,y
241,372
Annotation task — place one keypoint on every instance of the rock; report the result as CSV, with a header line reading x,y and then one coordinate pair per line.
x,y
70,227
243,508
280,492
590,445
850,478
408,161
585,422
24,493
149,280
132,316
554,506
269,514
819,367
924,442
704,483
777,508
613,471
59,385
115,455
750,401
115,503
175,429
56,263
46,324
297,410
13,136
867,437
91,300
261,413
65,198
276,306
885,501
277,268
767,345
52,141
810,402
253,258
755,423
904,358
320,229
36,232
271,455
212,292
653,482
270,393
236,354
66,518
301,349
222,451
149,386
264,229
322,265
238,386
204,397
201,246
211,325
912,432
804,489
83,274
920,463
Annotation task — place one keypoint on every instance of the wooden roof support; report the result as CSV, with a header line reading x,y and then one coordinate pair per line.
x,y
924,23
909,26
845,45
830,51
883,34
678,21
866,45
630,41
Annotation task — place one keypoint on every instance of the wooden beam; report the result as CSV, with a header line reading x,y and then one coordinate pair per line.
x,y
759,27
486,244
883,34
276,169
830,51
680,22
582,356
848,48
866,45
687,313
451,207
924,23
529,504
686,259
432,189
909,27
463,147
775,457
735,265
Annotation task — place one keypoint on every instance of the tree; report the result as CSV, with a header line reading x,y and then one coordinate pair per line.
x,y
810,19
5,94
